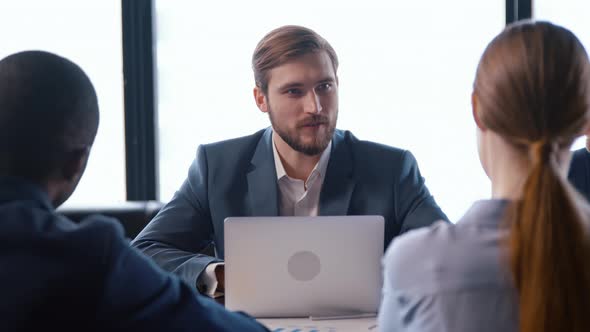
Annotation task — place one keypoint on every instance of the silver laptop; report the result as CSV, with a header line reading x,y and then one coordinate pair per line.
x,y
303,266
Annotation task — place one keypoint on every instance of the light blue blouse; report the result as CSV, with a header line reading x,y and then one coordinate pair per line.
x,y
451,277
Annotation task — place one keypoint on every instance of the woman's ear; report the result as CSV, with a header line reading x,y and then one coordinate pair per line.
x,y
476,112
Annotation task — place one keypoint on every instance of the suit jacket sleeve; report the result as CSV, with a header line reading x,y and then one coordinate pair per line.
x,y
415,206
139,296
180,233
579,170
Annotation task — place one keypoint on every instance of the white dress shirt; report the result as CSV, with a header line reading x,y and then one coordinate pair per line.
x,y
296,198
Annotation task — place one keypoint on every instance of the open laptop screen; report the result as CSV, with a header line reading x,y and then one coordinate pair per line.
x,y
303,266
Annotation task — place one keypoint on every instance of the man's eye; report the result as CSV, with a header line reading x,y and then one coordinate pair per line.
x,y
324,87
293,91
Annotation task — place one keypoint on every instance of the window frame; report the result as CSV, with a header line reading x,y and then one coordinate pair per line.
x,y
141,116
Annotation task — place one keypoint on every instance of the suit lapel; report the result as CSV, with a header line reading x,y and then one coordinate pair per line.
x,y
262,179
338,182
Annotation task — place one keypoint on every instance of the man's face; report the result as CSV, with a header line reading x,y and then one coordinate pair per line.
x,y
67,178
302,102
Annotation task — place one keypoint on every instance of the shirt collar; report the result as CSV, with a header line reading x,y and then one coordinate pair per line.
x,y
17,189
486,211
320,167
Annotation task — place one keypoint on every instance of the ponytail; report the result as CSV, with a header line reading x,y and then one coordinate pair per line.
x,y
549,251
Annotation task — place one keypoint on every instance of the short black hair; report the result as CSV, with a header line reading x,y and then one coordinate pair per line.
x,y
48,108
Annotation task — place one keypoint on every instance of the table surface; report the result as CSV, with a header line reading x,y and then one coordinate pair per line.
x,y
308,325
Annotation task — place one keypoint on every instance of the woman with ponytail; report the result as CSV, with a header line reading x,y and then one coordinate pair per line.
x,y
519,261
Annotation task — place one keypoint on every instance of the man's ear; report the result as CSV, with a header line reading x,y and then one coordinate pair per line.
x,y
260,99
74,164
476,112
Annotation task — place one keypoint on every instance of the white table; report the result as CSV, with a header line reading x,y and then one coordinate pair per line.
x,y
308,325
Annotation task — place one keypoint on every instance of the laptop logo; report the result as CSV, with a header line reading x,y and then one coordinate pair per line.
x,y
304,266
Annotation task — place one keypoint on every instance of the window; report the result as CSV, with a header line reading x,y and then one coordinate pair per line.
x,y
406,74
88,33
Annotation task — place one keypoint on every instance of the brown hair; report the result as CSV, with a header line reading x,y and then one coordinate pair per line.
x,y
533,88
284,44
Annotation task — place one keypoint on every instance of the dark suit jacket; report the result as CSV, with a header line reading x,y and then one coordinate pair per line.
x,y
238,178
579,174
59,276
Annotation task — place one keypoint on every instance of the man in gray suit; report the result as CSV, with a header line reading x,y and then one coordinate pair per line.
x,y
301,166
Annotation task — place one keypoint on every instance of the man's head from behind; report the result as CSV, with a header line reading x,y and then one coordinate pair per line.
x,y
48,121
296,84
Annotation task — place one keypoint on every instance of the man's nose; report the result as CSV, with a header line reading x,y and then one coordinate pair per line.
x,y
312,103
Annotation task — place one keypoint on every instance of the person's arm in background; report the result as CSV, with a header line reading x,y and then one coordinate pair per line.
x,y
579,172
139,296
414,204
176,238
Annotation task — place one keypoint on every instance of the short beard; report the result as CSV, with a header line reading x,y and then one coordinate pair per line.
x,y
317,147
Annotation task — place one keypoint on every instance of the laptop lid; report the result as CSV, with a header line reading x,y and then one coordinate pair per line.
x,y
303,266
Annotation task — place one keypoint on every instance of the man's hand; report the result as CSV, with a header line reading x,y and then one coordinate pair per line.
x,y
220,275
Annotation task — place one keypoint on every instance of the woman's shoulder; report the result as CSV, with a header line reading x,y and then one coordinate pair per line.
x,y
414,251
442,255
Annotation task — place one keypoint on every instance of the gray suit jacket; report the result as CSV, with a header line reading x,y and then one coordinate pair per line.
x,y
237,177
